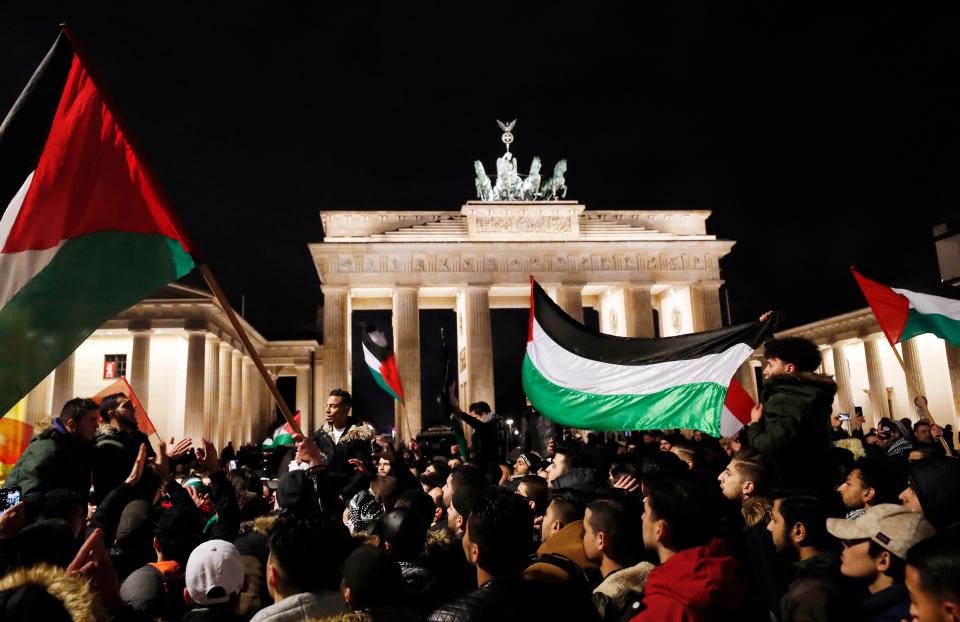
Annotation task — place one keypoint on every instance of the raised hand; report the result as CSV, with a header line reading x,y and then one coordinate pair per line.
x,y
207,455
175,450
628,483
137,471
307,451
12,519
93,562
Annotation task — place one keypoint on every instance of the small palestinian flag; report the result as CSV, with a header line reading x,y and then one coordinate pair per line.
x,y
283,435
84,234
903,314
588,380
383,365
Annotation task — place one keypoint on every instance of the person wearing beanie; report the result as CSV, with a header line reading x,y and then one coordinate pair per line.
x,y
875,549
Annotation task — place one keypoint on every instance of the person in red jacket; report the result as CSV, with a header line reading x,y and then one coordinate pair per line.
x,y
696,579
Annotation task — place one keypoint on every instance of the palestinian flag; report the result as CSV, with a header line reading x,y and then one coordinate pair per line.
x,y
122,386
736,409
15,435
383,365
903,314
84,234
283,435
588,380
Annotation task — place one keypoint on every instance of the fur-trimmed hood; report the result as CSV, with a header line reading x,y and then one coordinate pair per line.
x,y
356,431
626,579
73,592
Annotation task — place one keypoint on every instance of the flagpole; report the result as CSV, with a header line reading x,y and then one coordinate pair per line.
x,y
916,390
248,346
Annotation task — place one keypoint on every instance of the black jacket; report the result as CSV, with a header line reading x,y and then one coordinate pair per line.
x,y
113,455
795,432
819,593
514,599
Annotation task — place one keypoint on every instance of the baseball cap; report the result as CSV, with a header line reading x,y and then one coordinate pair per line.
x,y
894,527
214,573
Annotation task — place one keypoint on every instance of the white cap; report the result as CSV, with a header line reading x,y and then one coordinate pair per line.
x,y
214,564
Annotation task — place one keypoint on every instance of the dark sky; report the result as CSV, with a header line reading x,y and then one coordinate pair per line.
x,y
820,134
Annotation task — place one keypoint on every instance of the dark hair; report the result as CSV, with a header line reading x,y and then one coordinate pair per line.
x,y
811,512
62,503
387,490
937,561
619,469
568,506
618,519
251,505
803,353
405,532
898,567
480,407
245,479
309,552
572,452
538,491
345,399
883,476
76,408
920,423
110,403
418,502
683,504
753,467
501,526
465,499
468,475
178,532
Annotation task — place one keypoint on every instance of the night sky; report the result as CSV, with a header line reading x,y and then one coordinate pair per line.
x,y
819,134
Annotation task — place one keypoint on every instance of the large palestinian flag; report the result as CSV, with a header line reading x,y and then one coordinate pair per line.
x,y
84,232
583,379
903,314
382,363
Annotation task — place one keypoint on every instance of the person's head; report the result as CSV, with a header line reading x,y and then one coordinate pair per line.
x,y
176,532
566,456
675,516
499,533
387,490
610,531
305,556
872,481
384,467
214,574
888,431
934,490
480,408
403,533
418,502
564,508
798,522
933,579
461,506
371,578
462,475
534,489
876,543
119,409
921,432
338,408
870,438
746,476
527,463
686,452
67,505
80,417
789,355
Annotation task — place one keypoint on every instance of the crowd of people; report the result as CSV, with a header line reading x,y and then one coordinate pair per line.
x,y
800,517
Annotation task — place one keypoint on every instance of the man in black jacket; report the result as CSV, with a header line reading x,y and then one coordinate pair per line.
x,y
497,543
116,444
791,426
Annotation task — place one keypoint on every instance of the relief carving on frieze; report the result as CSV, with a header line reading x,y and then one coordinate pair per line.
x,y
490,264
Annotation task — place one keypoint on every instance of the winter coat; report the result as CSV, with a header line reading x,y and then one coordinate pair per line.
x,y
47,593
889,605
621,591
557,553
794,433
819,592
303,606
355,440
580,478
516,600
114,451
156,590
698,584
53,460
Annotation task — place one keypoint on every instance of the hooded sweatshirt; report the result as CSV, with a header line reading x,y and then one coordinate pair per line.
x,y
699,584
936,480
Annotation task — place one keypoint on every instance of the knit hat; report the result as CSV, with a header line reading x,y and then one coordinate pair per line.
x,y
894,527
215,573
532,460
363,511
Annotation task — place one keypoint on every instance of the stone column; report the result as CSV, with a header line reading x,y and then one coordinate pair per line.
x,y
570,299
911,360
878,387
211,389
953,367
139,372
406,338
63,384
841,374
304,395
38,403
479,346
236,398
335,320
224,407
705,304
638,307
193,410
249,400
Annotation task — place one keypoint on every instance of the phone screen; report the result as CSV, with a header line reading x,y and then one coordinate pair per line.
x,y
233,465
10,497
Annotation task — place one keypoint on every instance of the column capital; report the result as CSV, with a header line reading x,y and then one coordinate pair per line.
x,y
473,287
334,289
406,288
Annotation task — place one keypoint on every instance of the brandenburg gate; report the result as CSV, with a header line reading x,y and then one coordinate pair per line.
x,y
647,273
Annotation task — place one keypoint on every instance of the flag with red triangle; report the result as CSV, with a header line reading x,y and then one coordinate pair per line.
x,y
122,386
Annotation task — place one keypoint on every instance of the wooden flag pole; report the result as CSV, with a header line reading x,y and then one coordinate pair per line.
x,y
916,390
242,333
